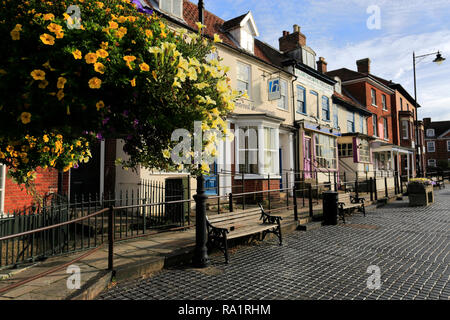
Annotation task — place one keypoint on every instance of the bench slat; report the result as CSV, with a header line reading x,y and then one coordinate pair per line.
x,y
218,218
250,230
238,221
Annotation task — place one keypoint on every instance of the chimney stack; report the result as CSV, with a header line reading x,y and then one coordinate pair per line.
x,y
289,42
363,65
426,122
322,65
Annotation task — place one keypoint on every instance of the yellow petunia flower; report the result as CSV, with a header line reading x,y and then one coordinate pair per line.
x,y
104,45
38,74
149,33
144,67
61,82
60,95
47,39
15,35
25,117
129,58
102,53
133,82
48,16
95,83
77,54
99,67
113,25
45,138
90,58
100,105
55,28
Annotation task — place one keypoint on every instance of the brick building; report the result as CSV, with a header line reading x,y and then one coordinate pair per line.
x,y
437,144
14,197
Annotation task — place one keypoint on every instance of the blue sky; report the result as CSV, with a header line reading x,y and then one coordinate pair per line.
x,y
337,30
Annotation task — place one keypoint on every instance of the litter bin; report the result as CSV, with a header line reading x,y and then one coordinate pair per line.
x,y
330,208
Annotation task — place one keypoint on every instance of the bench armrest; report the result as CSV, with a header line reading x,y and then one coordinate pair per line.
x,y
357,200
268,217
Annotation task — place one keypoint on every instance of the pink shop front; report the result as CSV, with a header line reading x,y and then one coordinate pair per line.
x,y
318,158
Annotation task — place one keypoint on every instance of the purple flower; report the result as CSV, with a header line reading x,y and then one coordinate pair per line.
x,y
141,8
99,136
135,123
76,166
105,121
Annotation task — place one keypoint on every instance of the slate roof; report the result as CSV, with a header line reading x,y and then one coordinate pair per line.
x,y
439,127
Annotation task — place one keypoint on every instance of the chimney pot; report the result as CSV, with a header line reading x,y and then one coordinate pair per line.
x,y
296,28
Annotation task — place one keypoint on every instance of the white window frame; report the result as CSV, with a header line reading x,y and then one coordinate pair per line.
x,y
240,79
428,132
373,96
247,148
301,99
433,161
326,148
385,129
270,168
383,102
448,145
364,151
2,187
172,4
405,129
375,125
283,101
428,146
345,150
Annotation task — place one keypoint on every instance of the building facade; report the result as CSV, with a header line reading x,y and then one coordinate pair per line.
x,y
437,144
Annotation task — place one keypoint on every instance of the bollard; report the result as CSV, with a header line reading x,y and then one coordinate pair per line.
x,y
330,208
356,187
230,201
200,259
386,188
310,201
294,189
371,188
111,238
375,188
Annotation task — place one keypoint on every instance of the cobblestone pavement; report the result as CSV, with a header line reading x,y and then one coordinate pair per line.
x,y
411,246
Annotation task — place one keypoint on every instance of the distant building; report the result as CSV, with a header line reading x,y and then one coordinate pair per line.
x,y
437,144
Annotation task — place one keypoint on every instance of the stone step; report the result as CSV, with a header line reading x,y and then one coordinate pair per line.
x,y
310,226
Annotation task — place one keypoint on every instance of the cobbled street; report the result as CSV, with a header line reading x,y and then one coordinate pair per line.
x,y
411,247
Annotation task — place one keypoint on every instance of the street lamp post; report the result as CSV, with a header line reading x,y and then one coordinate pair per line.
x,y
439,59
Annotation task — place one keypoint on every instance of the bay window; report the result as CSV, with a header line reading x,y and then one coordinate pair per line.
x,y
405,129
270,151
326,146
248,149
364,151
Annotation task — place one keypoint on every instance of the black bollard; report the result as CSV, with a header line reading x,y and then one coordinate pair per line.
x,y
330,208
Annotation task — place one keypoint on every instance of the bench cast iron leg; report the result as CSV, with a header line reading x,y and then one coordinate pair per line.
x,y
225,248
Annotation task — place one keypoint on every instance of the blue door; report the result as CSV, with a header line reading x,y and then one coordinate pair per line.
x,y
211,185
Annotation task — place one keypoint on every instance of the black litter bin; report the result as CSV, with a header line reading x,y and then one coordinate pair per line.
x,y
330,208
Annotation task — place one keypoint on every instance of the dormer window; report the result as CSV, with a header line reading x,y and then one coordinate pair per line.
x,y
243,31
172,7
309,58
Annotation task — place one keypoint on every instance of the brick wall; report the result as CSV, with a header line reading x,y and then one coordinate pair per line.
x,y
252,185
16,197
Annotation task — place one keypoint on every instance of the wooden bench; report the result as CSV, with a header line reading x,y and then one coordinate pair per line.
x,y
227,226
440,182
347,202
